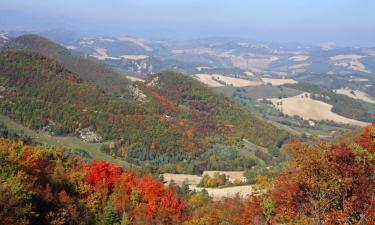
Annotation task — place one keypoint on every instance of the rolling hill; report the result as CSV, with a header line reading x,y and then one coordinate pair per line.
x,y
87,69
171,118
334,67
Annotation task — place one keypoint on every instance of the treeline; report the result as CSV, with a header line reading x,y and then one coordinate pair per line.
x,y
218,157
5,132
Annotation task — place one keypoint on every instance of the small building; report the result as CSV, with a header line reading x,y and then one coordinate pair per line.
x,y
232,176
312,123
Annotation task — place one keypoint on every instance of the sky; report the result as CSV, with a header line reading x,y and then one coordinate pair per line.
x,y
344,22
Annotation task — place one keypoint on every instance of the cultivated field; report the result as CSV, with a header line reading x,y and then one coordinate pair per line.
x,y
101,54
350,61
260,92
217,80
346,56
308,108
357,95
299,58
135,78
277,82
134,57
298,66
256,64
137,41
207,79
181,178
218,193
227,173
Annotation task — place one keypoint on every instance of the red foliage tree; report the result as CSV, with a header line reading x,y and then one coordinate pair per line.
x,y
102,175
130,193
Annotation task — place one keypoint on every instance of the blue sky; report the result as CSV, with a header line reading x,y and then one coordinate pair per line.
x,y
346,22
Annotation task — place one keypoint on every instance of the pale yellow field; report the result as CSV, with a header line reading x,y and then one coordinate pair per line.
x,y
101,53
195,179
347,56
207,79
277,82
353,64
135,78
236,82
194,51
299,58
137,41
180,178
227,173
357,95
298,66
218,193
256,64
249,73
308,108
134,57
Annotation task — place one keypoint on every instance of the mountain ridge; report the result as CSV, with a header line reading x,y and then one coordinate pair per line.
x,y
87,69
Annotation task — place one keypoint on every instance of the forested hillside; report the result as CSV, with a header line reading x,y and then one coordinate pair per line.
x,y
88,70
41,187
322,184
169,118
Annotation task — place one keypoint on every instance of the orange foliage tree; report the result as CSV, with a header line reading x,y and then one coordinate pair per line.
x,y
328,184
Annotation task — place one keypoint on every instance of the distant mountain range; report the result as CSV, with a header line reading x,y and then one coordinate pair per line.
x,y
226,55
196,56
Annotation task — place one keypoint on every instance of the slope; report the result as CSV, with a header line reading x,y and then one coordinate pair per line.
x,y
174,118
87,69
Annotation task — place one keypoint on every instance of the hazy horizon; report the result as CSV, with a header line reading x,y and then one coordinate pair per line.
x,y
346,23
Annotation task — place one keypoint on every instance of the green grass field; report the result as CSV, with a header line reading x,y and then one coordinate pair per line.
x,y
64,142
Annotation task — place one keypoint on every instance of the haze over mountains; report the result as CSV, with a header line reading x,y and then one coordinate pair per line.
x,y
214,61
227,53
169,112
235,55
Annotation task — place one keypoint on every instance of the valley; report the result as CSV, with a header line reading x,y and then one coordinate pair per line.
x,y
196,135
171,112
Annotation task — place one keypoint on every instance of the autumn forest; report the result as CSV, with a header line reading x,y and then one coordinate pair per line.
x,y
108,120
